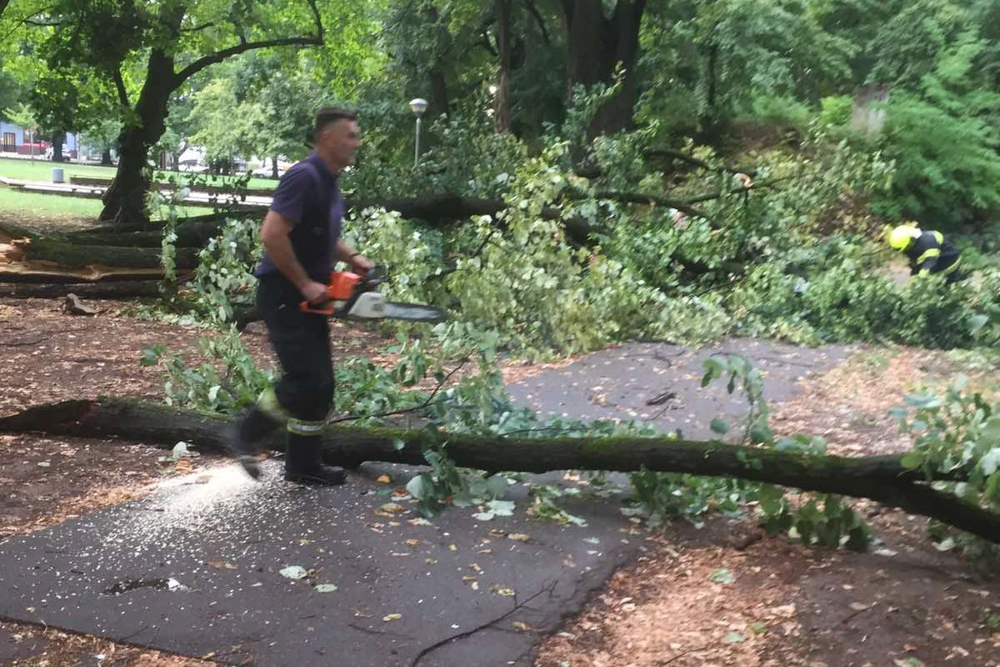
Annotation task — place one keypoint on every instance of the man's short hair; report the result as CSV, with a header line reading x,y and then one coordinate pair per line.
x,y
329,115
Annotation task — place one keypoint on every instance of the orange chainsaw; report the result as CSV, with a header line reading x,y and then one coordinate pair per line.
x,y
355,296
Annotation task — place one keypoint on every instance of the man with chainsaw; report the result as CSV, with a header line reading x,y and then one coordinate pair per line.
x,y
929,252
302,243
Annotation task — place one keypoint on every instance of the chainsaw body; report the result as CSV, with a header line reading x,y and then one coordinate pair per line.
x,y
356,296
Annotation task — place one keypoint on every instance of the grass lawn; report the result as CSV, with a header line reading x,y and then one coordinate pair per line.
x,y
41,170
24,205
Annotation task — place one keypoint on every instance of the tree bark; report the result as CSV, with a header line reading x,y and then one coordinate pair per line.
x,y
502,9
595,45
880,478
58,137
71,255
120,290
124,200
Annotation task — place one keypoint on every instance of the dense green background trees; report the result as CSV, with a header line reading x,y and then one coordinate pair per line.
x,y
605,136
684,68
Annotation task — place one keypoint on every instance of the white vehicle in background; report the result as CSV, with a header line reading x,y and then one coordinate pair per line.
x,y
266,170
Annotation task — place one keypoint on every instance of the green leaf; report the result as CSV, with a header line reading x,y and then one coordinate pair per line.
x,y
761,433
398,445
497,486
912,461
977,322
417,487
501,507
722,576
720,426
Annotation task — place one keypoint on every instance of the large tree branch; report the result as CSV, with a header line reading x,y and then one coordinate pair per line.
x,y
120,87
244,46
219,56
3,6
880,478
199,28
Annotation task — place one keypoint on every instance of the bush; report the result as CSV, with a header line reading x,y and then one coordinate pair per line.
x,y
836,110
944,141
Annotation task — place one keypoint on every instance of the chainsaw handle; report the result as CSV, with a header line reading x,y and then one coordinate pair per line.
x,y
306,308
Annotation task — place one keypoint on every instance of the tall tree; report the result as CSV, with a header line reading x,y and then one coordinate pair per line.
x,y
597,42
162,46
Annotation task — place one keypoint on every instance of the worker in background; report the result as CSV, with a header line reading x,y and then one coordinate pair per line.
x,y
929,252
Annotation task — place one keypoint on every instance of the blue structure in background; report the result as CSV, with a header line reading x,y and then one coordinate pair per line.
x,y
13,140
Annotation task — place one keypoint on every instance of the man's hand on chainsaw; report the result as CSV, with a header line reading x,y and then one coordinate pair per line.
x,y
361,264
315,293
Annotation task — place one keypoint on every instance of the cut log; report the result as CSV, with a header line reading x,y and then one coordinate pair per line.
x,y
112,290
189,235
47,272
157,225
880,478
26,257
71,255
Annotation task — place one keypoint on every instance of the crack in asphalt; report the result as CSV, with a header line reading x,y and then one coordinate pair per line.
x,y
468,633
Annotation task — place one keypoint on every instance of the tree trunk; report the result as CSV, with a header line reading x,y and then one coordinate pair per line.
x,y
71,255
125,201
106,158
711,118
274,167
880,478
595,46
439,92
58,137
119,290
502,108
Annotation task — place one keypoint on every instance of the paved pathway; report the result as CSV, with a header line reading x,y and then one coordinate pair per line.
x,y
196,568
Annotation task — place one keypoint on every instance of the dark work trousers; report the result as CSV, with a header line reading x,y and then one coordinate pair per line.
x,y
302,343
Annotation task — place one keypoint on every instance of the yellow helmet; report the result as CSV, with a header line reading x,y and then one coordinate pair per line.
x,y
901,236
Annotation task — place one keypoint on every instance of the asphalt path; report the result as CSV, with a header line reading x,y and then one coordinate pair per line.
x,y
201,566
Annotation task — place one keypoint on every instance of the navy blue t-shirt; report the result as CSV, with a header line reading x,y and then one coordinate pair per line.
x,y
309,196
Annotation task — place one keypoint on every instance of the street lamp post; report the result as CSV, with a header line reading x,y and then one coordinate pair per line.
x,y
418,106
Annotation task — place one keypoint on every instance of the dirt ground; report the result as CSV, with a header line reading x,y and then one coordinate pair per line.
x,y
903,604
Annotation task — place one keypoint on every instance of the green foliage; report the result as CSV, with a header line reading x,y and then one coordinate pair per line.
x,y
957,432
944,141
840,298
227,381
816,519
780,111
836,110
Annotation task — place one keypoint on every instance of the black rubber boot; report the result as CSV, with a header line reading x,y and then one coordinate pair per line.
x,y
304,465
241,439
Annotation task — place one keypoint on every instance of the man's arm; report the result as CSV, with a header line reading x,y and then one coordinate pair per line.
x,y
929,251
275,233
347,253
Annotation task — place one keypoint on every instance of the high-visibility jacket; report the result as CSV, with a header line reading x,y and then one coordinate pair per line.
x,y
932,253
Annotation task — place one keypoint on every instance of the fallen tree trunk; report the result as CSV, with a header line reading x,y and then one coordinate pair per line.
x,y
71,255
189,235
880,478
157,225
112,290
